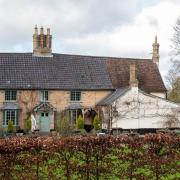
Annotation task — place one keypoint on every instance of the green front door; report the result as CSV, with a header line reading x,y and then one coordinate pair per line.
x,y
45,122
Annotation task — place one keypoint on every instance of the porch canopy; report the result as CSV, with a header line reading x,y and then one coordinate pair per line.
x,y
45,106
9,106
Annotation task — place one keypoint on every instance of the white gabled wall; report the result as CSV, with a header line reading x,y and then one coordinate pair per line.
x,y
162,95
137,109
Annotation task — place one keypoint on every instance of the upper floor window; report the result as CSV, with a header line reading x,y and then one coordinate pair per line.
x,y
44,96
75,95
10,95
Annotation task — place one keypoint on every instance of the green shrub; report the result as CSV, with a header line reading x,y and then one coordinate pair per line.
x,y
79,122
96,122
28,124
65,128
83,132
10,126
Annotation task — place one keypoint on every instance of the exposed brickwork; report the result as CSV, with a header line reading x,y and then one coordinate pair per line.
x,y
91,98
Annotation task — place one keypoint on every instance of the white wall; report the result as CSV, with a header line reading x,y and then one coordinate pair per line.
x,y
162,95
139,110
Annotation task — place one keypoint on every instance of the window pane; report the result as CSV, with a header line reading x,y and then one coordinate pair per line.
x,y
8,116
13,95
73,116
13,116
4,118
72,95
78,96
44,96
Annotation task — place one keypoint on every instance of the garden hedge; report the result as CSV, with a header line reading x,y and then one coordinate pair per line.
x,y
154,156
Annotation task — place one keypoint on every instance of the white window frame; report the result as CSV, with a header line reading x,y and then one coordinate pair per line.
x,y
9,95
5,119
73,112
75,96
44,96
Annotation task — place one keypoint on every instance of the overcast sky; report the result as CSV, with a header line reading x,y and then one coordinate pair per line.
x,y
123,28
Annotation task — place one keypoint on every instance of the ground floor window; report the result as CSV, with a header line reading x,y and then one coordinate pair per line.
x,y
10,115
74,115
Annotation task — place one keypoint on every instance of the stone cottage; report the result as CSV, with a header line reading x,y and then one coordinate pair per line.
x,y
50,85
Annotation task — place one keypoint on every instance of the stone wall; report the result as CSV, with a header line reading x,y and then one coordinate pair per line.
x,y
60,100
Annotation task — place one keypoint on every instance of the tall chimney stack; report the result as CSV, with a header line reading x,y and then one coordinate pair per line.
x,y
41,38
133,82
155,56
42,43
35,38
48,38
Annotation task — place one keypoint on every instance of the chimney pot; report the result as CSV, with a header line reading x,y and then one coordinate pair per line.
x,y
36,30
41,30
48,31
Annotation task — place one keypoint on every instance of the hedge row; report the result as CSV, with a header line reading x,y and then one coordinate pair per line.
x,y
154,156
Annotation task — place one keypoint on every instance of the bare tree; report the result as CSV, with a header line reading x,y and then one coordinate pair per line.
x,y
172,119
139,108
173,77
28,100
174,92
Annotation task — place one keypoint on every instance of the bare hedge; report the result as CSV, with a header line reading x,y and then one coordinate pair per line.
x,y
155,156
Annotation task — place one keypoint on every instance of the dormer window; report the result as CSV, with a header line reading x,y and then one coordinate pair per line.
x,y
44,96
75,96
10,95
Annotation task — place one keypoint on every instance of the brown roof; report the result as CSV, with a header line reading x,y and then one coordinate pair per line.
x,y
148,74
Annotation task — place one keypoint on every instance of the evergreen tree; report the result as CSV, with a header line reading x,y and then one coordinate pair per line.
x,y
80,124
10,126
65,128
28,123
96,122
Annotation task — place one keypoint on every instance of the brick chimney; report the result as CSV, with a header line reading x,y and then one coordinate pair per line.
x,y
133,82
42,43
155,56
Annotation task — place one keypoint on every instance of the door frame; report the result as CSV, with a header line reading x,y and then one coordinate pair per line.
x,y
46,118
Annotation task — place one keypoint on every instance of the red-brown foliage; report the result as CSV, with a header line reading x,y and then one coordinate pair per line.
x,y
89,157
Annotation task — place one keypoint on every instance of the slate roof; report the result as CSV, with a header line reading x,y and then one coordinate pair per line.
x,y
24,71
112,97
9,106
75,106
119,92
